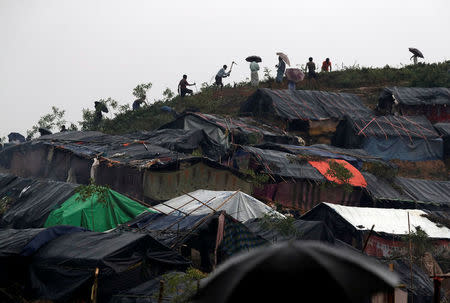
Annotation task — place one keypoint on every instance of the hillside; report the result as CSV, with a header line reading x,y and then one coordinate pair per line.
x,y
365,82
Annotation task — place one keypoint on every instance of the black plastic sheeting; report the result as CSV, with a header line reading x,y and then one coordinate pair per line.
x,y
148,292
65,267
422,290
32,200
303,104
421,190
443,129
410,138
416,95
302,230
184,141
283,164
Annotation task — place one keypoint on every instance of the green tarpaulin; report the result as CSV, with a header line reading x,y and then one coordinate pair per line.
x,y
94,214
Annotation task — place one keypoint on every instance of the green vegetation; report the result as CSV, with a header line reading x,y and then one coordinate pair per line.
x,y
87,191
5,203
52,121
180,287
284,226
342,174
366,82
255,178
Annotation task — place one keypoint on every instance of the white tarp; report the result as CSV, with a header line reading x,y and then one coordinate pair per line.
x,y
240,206
391,221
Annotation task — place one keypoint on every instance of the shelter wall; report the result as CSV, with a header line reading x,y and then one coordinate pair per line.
x,y
304,195
160,186
435,113
126,180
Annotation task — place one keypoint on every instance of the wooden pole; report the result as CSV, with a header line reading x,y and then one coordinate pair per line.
x,y
437,290
161,291
410,257
367,239
199,201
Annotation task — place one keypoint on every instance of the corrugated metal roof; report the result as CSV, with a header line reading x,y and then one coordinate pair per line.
x,y
426,190
390,221
381,189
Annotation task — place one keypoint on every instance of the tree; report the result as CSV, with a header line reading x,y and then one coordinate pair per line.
x,y
51,121
168,94
89,115
140,91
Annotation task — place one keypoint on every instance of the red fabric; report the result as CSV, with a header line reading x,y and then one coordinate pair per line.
x,y
323,166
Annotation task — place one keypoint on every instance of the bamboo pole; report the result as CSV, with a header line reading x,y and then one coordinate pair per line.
x,y
367,239
199,201
410,257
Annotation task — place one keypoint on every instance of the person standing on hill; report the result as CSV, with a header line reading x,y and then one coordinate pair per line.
x,y
221,74
182,87
281,68
254,77
326,65
311,67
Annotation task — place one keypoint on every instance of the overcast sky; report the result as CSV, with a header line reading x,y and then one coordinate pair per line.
x,y
71,53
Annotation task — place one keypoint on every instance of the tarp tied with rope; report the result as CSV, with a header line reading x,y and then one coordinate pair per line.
x,y
323,167
303,104
411,138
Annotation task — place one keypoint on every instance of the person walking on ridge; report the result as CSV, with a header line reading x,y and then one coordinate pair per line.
x,y
182,87
254,77
138,102
281,68
326,65
221,74
311,68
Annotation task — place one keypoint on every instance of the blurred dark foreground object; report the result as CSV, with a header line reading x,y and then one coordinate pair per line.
x,y
296,272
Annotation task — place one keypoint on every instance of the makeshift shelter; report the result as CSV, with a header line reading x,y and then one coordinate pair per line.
x,y
66,267
198,237
407,193
183,141
311,112
300,230
352,225
391,137
237,204
28,202
413,101
16,247
138,169
100,212
226,130
291,180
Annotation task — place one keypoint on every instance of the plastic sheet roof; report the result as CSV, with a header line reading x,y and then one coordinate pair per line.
x,y
418,95
443,128
390,221
239,205
393,126
304,104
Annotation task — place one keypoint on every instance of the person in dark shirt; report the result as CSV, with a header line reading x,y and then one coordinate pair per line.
x,y
311,66
182,87
222,74
281,68
138,102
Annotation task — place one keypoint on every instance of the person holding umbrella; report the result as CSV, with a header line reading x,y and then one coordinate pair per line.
x,y
416,54
254,68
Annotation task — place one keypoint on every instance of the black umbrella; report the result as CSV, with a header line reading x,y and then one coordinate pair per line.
x,y
416,52
44,131
253,58
296,272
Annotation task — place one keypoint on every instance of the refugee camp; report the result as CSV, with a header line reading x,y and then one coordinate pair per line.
x,y
237,151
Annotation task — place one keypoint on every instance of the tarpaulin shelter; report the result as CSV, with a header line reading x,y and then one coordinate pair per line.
x,y
301,230
30,201
184,141
226,130
411,138
352,224
17,245
199,237
237,204
292,182
96,213
406,193
65,268
314,112
138,169
412,101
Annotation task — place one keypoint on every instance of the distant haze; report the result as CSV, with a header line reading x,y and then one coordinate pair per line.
x,y
70,53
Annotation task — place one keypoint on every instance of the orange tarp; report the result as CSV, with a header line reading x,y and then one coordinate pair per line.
x,y
323,166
